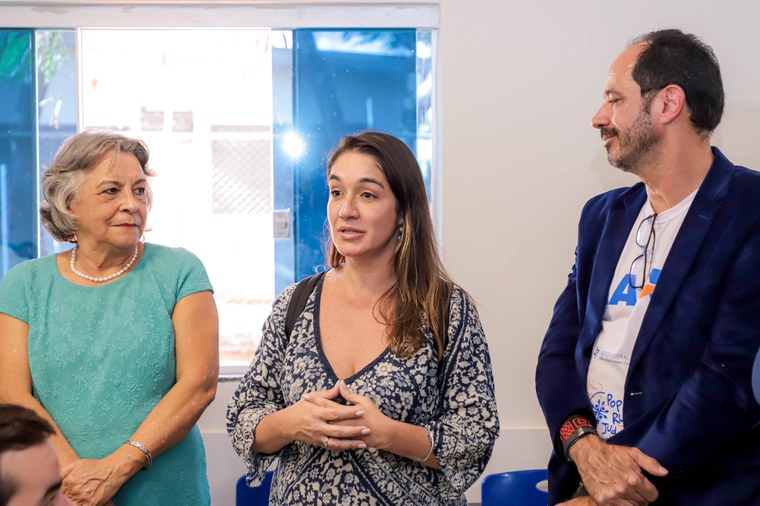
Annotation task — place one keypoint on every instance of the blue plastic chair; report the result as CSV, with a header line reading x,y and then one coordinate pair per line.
x,y
516,488
253,496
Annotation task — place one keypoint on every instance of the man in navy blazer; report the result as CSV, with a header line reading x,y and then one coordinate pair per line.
x,y
644,375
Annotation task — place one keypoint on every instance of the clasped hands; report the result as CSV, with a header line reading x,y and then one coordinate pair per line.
x,y
321,421
89,482
94,482
613,474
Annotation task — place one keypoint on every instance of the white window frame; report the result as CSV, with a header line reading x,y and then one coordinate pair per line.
x,y
216,14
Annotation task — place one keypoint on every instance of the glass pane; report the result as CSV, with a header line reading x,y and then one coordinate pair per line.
x,y
18,173
287,148
56,106
425,110
344,82
202,101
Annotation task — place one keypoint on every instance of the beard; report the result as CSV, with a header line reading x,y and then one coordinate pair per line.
x,y
634,144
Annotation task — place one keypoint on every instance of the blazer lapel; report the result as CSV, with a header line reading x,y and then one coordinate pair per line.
x,y
687,244
611,244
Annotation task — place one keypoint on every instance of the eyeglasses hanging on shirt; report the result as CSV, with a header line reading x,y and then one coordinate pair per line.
x,y
642,264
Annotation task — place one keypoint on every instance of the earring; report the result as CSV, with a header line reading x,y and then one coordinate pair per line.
x,y
400,229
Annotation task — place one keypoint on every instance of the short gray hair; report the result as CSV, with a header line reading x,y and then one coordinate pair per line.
x,y
62,180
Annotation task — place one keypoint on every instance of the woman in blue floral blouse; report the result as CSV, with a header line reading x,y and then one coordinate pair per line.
x,y
383,392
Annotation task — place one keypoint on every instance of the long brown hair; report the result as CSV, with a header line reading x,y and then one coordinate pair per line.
x,y
423,288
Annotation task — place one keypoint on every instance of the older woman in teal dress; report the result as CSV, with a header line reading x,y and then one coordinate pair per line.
x,y
115,341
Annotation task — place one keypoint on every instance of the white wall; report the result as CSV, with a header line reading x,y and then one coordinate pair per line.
x,y
520,82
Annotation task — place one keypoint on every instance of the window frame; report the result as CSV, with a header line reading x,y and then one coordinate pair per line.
x,y
225,14
85,14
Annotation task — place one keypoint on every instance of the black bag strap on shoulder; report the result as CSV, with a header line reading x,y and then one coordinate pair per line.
x,y
298,301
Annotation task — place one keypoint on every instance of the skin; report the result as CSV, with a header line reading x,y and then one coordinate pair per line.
x,y
613,475
363,224
624,121
671,158
35,473
676,158
627,147
364,227
111,213
581,501
361,211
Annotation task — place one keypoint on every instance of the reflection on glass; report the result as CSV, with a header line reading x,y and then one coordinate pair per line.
x,y
425,110
18,234
56,105
345,81
41,60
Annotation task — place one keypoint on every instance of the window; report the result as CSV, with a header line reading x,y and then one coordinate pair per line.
x,y
37,111
239,123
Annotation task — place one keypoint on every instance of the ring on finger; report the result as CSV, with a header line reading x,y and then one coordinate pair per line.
x,y
326,441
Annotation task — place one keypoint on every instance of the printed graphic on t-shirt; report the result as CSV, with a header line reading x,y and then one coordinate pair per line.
x,y
625,293
611,358
608,412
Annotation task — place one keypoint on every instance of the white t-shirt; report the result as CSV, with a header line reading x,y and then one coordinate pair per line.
x,y
624,312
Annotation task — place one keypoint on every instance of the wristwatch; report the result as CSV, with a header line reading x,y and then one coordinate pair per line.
x,y
576,436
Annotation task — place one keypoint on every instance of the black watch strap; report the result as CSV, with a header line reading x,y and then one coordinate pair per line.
x,y
576,436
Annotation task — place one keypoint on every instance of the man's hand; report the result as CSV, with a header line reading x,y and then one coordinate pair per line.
x,y
580,501
613,475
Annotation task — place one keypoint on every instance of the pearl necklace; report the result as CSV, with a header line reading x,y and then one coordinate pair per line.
x,y
104,278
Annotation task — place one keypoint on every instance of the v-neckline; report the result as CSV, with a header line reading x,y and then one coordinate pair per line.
x,y
321,351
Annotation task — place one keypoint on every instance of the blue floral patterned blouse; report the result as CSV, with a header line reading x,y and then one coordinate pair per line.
x,y
454,400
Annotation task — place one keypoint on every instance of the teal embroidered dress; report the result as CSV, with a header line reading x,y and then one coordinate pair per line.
x,y
102,357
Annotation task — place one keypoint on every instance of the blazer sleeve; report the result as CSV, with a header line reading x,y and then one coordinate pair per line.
x,y
560,386
756,377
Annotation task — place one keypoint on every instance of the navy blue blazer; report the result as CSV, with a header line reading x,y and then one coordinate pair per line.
x,y
688,393
756,377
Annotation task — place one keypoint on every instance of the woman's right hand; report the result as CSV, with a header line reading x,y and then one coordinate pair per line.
x,y
94,482
88,482
314,415
310,420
